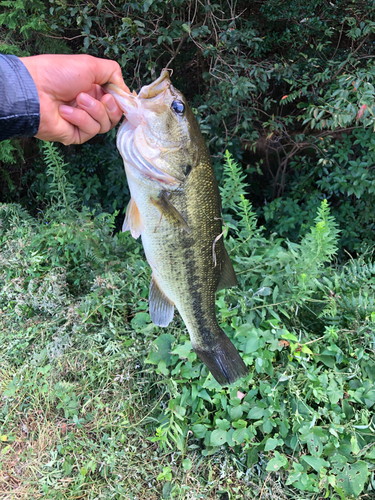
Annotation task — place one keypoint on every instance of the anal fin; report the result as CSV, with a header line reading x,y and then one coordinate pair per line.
x,y
133,221
228,277
160,307
170,212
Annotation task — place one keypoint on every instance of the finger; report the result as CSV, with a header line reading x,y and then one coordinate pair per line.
x,y
96,110
85,126
114,112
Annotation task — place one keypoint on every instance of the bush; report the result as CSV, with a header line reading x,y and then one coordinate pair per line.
x,y
269,81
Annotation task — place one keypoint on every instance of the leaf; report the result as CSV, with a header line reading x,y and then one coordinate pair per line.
x,y
187,464
184,350
277,462
355,447
240,395
223,424
140,320
163,352
236,412
314,443
256,413
199,430
218,437
315,462
361,111
239,435
272,443
252,344
352,478
348,410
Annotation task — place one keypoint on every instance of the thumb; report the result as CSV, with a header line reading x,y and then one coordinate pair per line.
x,y
106,70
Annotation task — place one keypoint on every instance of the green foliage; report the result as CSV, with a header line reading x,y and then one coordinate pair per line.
x,y
264,81
95,172
79,345
10,154
61,191
342,172
26,28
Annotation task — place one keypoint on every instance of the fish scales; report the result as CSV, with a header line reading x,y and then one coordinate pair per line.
x,y
175,207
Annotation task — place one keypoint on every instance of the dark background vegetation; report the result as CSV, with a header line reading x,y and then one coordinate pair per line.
x,y
96,402
285,86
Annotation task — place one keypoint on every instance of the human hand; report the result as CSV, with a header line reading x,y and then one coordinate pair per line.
x,y
73,107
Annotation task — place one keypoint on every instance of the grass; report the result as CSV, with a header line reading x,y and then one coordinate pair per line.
x,y
75,421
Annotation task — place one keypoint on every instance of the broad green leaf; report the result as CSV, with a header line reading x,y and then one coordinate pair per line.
x,y
236,412
277,462
239,435
272,443
252,344
315,462
352,478
348,410
199,430
187,464
256,413
223,424
218,437
184,350
163,349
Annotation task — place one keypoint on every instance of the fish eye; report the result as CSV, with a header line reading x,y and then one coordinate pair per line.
x,y
178,107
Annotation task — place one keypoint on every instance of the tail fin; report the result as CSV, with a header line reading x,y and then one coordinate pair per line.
x,y
223,361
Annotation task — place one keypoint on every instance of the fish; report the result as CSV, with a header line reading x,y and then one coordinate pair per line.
x,y
175,207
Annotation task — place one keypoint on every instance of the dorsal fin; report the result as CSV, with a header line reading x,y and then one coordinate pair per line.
x,y
133,221
228,277
160,307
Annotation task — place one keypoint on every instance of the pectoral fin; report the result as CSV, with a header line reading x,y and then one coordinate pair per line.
x,y
133,221
170,212
160,307
228,277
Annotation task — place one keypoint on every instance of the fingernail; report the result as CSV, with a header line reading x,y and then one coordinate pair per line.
x,y
111,105
86,100
66,110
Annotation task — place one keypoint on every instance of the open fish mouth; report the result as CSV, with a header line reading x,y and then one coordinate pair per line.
x,y
145,99
157,87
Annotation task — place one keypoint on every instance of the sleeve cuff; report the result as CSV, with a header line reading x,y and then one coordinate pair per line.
x,y
19,100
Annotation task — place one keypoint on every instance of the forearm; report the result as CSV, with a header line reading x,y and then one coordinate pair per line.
x,y
19,101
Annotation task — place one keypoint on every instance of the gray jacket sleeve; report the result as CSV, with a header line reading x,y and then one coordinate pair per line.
x,y
19,100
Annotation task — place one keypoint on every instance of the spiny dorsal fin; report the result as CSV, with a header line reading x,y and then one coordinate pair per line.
x,y
170,212
228,277
133,221
160,307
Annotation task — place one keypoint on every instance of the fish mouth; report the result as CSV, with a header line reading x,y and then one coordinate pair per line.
x,y
147,91
137,149
157,87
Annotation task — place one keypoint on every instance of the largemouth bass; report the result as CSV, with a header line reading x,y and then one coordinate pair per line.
x,y
175,207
